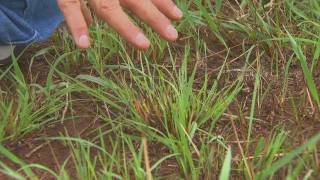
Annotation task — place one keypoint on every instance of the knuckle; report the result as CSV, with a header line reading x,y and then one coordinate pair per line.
x,y
135,4
81,29
107,6
65,4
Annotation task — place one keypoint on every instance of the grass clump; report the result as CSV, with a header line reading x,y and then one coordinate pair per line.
x,y
236,97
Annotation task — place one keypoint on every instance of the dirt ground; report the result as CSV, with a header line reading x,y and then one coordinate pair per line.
x,y
52,154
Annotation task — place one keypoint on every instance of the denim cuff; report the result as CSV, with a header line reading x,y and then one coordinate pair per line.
x,y
27,21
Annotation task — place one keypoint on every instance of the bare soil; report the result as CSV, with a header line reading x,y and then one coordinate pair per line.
x,y
32,148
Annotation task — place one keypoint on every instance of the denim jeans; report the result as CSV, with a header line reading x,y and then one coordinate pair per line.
x,y
27,21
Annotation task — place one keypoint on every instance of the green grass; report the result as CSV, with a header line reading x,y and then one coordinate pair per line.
x,y
236,97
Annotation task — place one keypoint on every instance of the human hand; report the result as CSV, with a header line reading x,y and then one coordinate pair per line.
x,y
156,13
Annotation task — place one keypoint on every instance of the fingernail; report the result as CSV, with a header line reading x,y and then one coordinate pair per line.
x,y
142,41
172,33
84,41
178,13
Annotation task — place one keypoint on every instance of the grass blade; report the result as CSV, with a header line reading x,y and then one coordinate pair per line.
x,y
288,158
226,168
306,71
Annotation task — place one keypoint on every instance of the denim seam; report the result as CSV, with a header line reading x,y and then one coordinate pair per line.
x,y
27,7
36,34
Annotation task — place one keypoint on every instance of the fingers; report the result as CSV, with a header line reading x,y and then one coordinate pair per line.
x,y
111,11
148,12
76,21
168,8
153,12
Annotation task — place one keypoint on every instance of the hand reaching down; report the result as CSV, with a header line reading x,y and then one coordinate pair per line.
x,y
156,13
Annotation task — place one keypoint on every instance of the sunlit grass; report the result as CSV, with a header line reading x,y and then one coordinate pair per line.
x,y
193,109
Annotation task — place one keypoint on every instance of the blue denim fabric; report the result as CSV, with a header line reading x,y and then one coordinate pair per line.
x,y
26,21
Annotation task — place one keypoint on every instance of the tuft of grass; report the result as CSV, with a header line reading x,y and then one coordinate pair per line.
x,y
162,113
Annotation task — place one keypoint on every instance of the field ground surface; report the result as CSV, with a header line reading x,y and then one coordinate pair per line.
x,y
237,96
